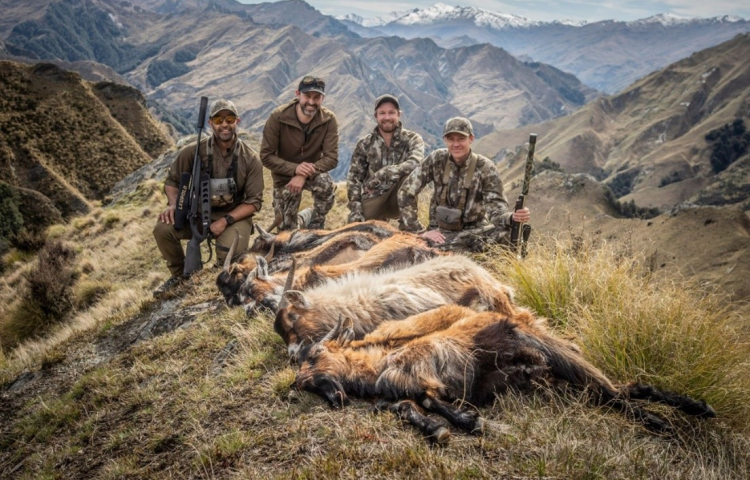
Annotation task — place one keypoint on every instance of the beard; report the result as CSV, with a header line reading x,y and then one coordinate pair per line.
x,y
387,126
225,134
310,109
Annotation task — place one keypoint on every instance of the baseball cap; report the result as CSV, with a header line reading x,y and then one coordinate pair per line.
x,y
312,84
221,104
458,125
387,98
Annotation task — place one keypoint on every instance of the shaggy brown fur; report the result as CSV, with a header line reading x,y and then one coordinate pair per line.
x,y
454,353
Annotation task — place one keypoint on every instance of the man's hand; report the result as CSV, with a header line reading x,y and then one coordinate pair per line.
x,y
218,227
167,216
522,216
434,236
305,169
296,183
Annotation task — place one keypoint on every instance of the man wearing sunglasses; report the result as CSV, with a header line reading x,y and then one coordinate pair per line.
x,y
300,146
380,163
236,192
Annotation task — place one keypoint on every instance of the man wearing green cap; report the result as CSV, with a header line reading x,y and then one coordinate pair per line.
x,y
468,207
236,192
380,163
300,146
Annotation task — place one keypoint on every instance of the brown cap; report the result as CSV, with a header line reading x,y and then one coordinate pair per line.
x,y
458,125
221,104
312,84
387,98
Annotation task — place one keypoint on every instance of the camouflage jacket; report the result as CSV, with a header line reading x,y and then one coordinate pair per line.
x,y
485,201
377,167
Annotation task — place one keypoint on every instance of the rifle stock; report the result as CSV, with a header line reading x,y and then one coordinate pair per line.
x,y
199,196
516,238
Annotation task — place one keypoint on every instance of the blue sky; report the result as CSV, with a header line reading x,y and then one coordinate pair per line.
x,y
547,10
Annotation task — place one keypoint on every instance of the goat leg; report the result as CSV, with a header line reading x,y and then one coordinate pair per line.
x,y
467,420
434,429
690,406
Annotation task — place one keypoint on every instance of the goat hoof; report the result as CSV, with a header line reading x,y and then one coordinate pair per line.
x,y
441,436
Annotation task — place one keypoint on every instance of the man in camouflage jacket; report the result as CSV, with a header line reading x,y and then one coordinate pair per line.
x,y
300,146
482,207
380,163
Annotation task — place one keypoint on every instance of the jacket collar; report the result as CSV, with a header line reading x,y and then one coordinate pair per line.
x,y
289,115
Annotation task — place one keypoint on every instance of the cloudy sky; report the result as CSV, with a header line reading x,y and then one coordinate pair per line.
x,y
547,10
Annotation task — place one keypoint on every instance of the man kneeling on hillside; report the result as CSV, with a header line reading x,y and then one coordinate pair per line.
x,y
380,163
234,168
468,208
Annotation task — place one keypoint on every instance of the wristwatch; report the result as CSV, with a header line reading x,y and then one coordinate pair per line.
x,y
230,219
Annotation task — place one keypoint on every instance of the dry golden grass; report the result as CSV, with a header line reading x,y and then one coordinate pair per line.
x,y
213,400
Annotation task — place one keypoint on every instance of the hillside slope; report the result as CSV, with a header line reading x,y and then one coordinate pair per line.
x,y
69,139
649,141
189,388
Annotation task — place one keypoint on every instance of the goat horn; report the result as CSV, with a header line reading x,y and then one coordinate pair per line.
x,y
276,222
266,236
334,331
269,256
290,277
230,255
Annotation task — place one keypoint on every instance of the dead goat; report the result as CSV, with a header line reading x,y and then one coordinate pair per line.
x,y
264,288
291,241
372,298
456,354
341,248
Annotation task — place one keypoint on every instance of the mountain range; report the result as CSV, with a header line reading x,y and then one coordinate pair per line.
x,y
606,55
649,142
256,54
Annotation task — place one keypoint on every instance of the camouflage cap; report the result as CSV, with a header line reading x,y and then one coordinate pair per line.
x,y
221,104
458,125
387,98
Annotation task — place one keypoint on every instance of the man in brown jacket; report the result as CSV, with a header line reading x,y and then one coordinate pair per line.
x,y
300,146
236,192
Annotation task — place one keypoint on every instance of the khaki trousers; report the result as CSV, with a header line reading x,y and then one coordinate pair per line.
x,y
169,241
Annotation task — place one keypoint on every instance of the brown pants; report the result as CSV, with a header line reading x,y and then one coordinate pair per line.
x,y
169,241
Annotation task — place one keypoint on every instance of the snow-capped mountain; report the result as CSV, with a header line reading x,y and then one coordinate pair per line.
x,y
607,55
441,12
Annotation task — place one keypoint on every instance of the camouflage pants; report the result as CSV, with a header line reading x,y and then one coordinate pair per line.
x,y
478,239
286,203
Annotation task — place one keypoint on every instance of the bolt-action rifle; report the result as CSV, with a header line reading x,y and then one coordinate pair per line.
x,y
519,233
194,203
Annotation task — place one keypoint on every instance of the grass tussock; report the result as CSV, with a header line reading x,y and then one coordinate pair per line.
x,y
47,297
633,325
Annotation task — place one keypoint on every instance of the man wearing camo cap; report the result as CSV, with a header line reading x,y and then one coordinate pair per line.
x,y
236,192
300,146
468,207
380,163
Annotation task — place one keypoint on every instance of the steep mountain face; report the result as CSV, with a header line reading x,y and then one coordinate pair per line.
x,y
217,55
76,30
605,55
68,139
649,141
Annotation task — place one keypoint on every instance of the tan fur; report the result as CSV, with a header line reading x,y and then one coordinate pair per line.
x,y
370,299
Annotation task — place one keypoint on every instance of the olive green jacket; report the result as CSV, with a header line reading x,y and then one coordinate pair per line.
x,y
284,144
